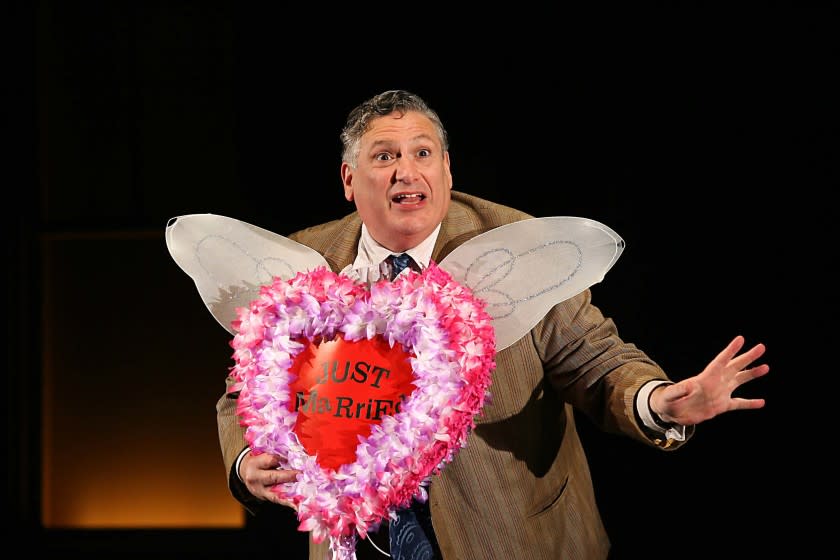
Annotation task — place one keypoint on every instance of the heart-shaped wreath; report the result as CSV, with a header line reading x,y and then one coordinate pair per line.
x,y
320,366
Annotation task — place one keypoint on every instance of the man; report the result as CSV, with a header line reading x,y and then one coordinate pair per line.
x,y
521,488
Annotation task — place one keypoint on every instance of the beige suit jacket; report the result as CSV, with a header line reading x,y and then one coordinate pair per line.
x,y
521,488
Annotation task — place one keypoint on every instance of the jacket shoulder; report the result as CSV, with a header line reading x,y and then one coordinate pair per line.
x,y
322,236
469,216
486,213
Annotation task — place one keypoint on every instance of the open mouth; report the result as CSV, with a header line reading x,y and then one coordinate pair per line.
x,y
408,198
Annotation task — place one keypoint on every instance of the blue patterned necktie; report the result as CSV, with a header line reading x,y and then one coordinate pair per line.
x,y
398,263
410,535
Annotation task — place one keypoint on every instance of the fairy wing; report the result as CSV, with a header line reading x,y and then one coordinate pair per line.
x,y
520,269
229,260
524,268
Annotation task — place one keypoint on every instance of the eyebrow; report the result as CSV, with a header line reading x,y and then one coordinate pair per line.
x,y
418,138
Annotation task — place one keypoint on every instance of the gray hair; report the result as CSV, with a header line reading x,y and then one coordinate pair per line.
x,y
385,103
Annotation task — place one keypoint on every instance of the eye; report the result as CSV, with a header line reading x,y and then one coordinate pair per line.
x,y
383,156
423,153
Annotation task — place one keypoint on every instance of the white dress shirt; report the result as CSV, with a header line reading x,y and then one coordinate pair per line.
x,y
369,258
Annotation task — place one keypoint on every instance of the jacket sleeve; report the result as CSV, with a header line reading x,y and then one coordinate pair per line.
x,y
596,371
232,441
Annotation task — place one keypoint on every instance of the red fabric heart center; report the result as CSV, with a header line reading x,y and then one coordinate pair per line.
x,y
342,389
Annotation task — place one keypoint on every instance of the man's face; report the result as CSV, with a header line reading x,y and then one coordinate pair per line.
x,y
401,183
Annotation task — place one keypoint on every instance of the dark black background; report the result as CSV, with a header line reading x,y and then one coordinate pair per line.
x,y
707,139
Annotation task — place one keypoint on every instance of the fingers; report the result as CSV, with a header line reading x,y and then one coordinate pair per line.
x,y
731,349
749,374
727,356
676,391
263,485
286,503
279,477
261,475
272,476
747,404
749,356
263,461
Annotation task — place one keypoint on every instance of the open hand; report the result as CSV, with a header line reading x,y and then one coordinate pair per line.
x,y
709,393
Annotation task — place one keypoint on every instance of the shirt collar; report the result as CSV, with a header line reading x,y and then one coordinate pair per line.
x,y
370,254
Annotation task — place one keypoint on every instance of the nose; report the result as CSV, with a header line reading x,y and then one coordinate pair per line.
x,y
406,171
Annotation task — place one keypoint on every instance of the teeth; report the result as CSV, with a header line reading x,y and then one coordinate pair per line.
x,y
404,196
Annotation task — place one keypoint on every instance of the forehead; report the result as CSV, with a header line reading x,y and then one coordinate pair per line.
x,y
399,127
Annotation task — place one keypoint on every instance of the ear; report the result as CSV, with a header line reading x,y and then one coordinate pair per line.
x,y
448,170
347,180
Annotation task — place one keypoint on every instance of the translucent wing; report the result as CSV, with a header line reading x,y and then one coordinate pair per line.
x,y
229,259
523,269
